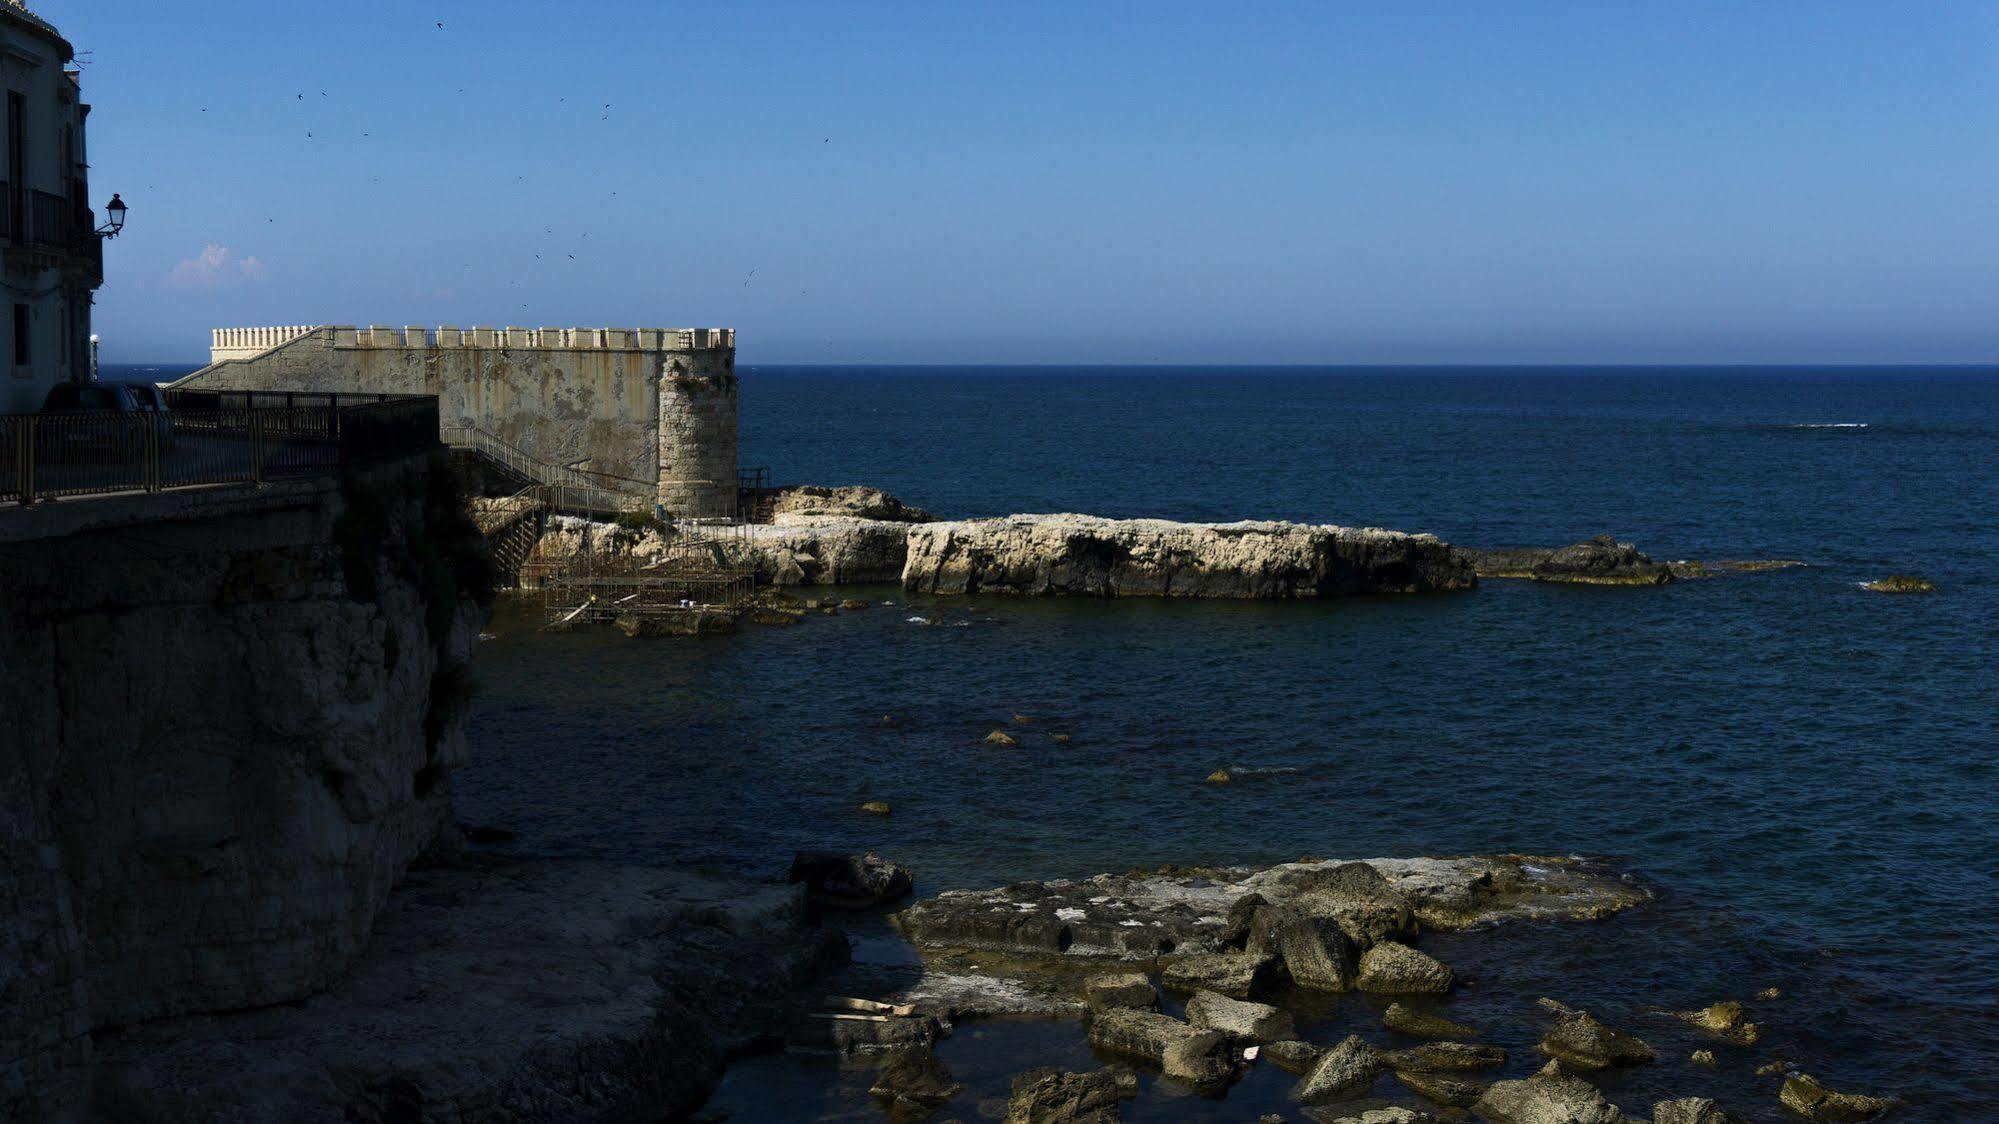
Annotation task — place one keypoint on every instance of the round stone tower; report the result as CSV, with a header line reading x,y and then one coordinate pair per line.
x,y
697,433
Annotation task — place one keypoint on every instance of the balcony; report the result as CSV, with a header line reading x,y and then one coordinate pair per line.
x,y
44,223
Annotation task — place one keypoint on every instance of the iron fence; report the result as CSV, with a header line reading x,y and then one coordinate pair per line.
x,y
224,439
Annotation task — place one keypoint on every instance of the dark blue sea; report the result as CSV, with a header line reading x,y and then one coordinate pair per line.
x,y
1802,769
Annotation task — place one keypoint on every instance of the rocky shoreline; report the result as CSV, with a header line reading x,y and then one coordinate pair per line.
x,y
863,536
499,990
1205,975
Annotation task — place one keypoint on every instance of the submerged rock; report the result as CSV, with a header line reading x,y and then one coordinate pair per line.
x,y
1396,969
1347,1069
1725,1019
1901,583
1048,1096
1580,1041
850,881
1083,555
915,1079
1001,737
1409,1021
1292,1056
1813,1101
1386,1114
1435,1057
1691,1110
1442,1088
1549,1097
1245,1022
1599,561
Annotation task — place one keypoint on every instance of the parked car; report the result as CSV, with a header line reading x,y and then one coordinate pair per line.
x,y
117,429
152,399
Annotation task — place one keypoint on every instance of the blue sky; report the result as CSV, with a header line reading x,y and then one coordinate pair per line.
x,y
1063,182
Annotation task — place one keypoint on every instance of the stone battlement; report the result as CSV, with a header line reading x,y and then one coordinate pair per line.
x,y
241,343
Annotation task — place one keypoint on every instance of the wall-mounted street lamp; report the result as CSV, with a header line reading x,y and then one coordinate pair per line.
x,y
114,214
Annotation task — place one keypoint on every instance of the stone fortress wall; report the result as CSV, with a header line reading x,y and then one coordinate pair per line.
x,y
656,405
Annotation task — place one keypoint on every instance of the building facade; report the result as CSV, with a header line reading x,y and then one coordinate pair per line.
x,y
51,259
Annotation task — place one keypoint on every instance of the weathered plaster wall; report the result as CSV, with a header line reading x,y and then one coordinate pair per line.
x,y
229,732
638,403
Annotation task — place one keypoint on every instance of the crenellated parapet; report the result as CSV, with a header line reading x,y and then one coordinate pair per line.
x,y
242,343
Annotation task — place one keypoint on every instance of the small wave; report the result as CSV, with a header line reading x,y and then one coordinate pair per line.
x,y
1824,425
919,620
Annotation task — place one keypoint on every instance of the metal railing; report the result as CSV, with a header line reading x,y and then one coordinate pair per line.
x,y
43,456
40,218
565,487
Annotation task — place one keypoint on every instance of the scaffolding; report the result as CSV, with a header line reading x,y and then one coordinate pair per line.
x,y
700,582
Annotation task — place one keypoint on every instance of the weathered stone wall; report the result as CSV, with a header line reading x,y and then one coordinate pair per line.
x,y
231,727
646,404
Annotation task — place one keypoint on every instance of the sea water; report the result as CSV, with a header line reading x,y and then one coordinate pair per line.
x,y
1802,769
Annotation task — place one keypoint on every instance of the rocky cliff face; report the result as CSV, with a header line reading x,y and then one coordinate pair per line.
x,y
232,729
1083,555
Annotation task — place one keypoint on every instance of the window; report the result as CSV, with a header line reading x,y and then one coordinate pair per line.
x,y
21,353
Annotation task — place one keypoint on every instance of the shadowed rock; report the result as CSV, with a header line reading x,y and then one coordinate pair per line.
x,y
1121,989
1580,1041
1442,1088
915,1080
1234,974
1203,1058
1692,1110
1549,1097
850,881
1346,1070
1292,1056
1444,1056
1250,1023
1397,969
1048,1096
1316,953
1408,1020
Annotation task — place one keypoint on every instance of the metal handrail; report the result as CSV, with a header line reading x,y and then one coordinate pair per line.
x,y
572,488
45,455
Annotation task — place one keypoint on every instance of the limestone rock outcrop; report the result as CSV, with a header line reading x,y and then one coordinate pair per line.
x,y
851,501
1049,1096
1549,1097
1088,556
1598,561
229,735
1184,913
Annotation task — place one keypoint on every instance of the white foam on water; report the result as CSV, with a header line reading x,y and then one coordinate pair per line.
x,y
1827,425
